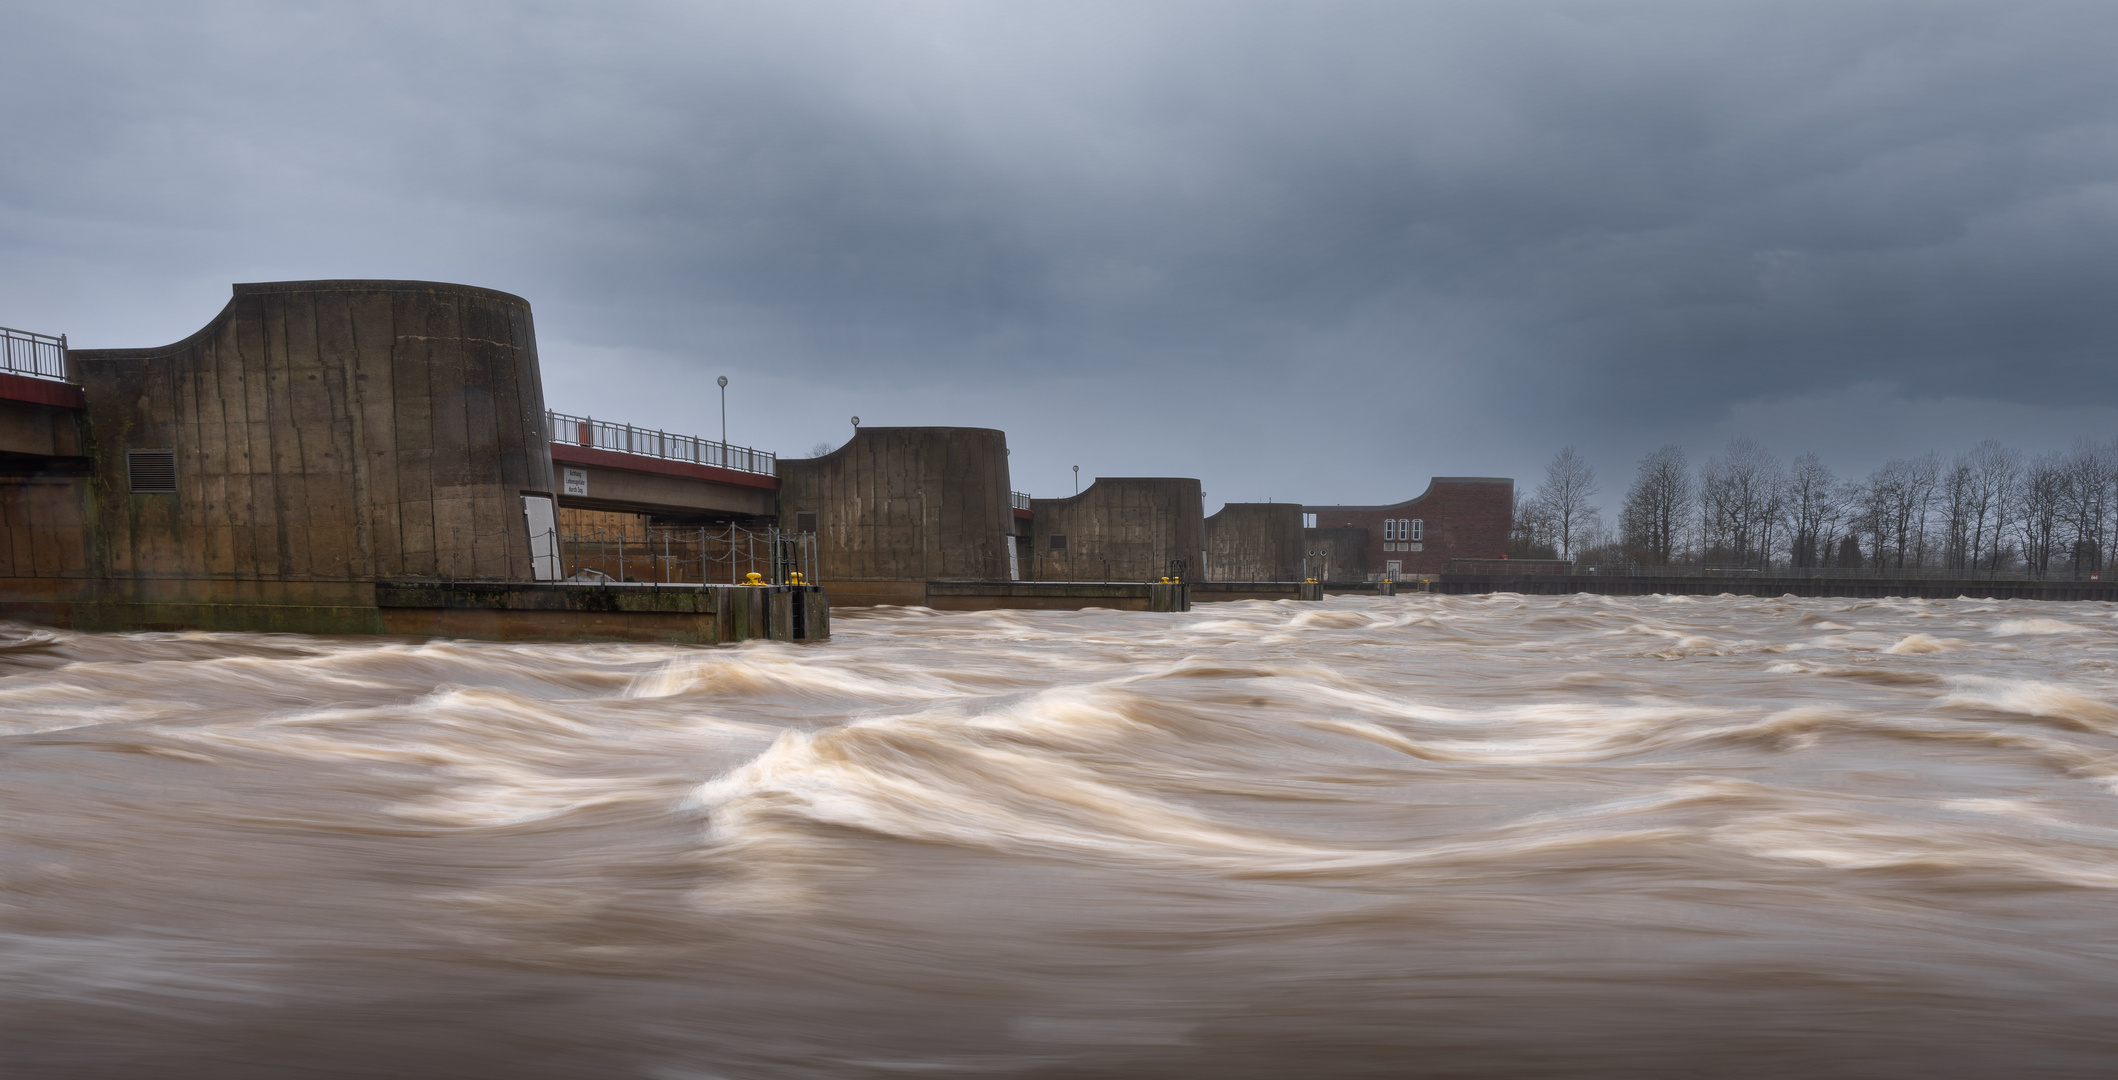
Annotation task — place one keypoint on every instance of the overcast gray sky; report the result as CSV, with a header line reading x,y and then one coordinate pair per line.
x,y
1313,252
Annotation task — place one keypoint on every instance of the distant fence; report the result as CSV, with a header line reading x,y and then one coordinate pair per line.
x,y
1935,587
681,555
1806,573
648,442
25,353
1509,566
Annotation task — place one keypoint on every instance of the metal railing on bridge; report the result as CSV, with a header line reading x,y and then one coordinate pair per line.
x,y
1020,499
649,442
25,353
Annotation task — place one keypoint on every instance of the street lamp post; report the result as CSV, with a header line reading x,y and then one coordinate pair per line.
x,y
723,380
1077,479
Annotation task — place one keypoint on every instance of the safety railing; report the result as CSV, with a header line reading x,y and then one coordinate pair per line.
x,y
25,353
680,555
1019,499
649,442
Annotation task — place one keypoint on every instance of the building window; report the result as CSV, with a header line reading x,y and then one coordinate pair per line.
x,y
1389,531
1308,521
805,521
1058,542
1415,529
153,472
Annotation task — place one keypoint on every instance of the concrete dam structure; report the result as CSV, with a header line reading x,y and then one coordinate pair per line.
x,y
378,457
321,457
1122,528
898,507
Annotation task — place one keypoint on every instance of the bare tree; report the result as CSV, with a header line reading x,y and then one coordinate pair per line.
x,y
1899,501
1530,536
1958,488
1995,471
2090,470
1812,501
1569,481
1653,518
2040,501
1739,504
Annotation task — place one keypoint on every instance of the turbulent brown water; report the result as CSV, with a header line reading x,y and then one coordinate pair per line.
x,y
1493,836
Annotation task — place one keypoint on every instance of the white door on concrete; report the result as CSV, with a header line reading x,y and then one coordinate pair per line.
x,y
543,537
1014,561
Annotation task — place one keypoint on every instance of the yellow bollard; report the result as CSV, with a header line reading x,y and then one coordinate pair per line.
x,y
753,578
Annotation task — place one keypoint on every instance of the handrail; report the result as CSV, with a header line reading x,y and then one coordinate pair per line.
x,y
23,352
648,442
1020,499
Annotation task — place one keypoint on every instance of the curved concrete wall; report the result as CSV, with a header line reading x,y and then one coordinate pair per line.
x,y
325,431
1123,528
904,504
1255,542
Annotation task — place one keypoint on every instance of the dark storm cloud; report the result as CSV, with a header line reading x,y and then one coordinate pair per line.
x,y
1573,218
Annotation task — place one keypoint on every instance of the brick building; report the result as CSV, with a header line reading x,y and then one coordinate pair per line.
x,y
1457,517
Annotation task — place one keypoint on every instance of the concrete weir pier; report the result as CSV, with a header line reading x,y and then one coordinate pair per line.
x,y
1057,595
338,457
689,614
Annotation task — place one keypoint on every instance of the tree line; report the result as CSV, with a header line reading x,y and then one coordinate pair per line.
x,y
1990,509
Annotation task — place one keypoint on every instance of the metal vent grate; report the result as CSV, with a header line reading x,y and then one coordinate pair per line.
x,y
805,522
153,471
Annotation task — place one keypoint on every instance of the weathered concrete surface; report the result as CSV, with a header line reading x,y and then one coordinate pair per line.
x,y
1214,591
669,490
69,612
1255,542
1055,596
1337,553
876,593
488,610
1205,592
44,527
1553,584
325,430
1465,517
904,504
692,614
1120,527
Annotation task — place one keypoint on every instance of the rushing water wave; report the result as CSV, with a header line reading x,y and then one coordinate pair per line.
x,y
1479,836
